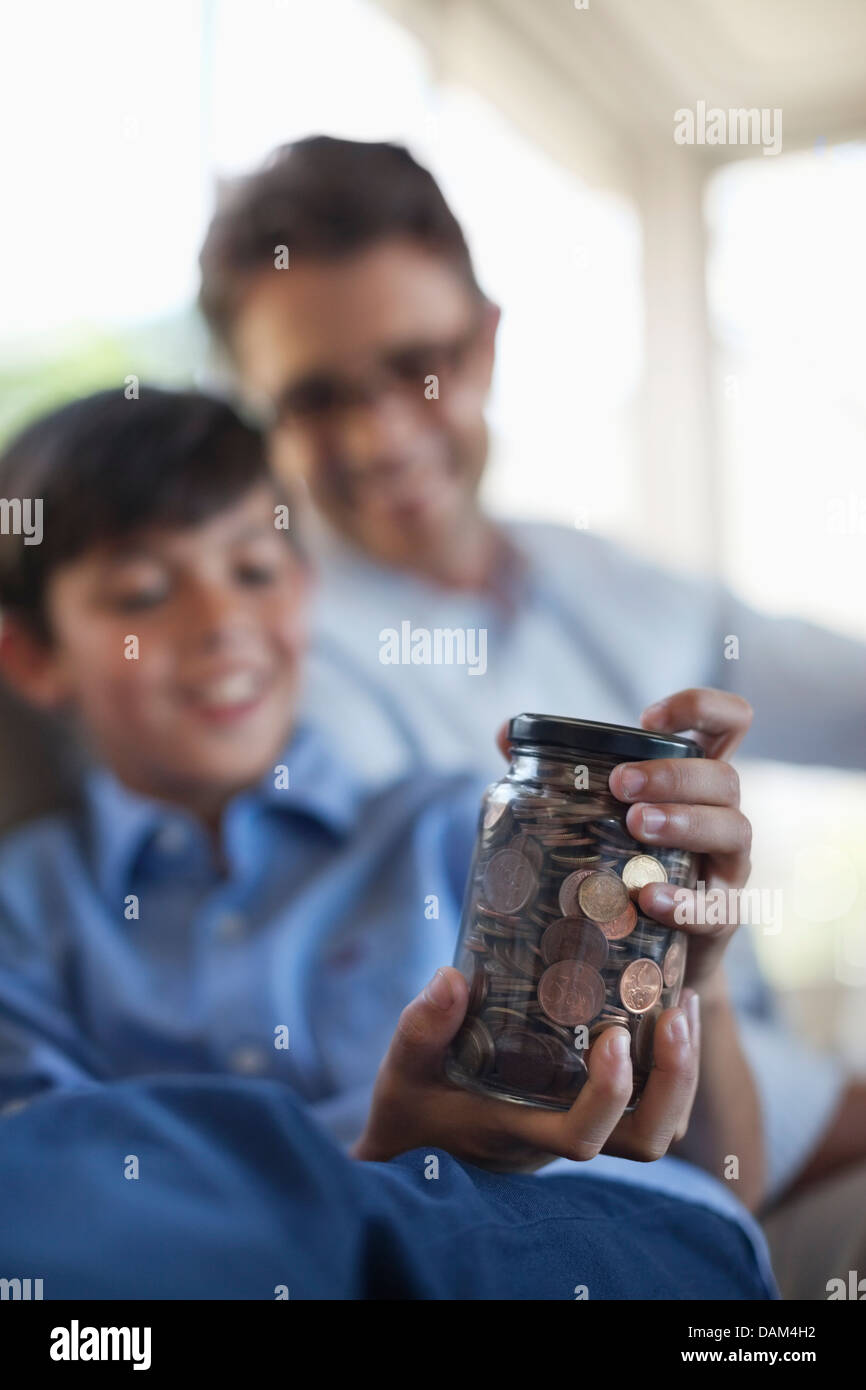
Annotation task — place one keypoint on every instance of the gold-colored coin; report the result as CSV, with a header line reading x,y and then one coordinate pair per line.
x,y
641,870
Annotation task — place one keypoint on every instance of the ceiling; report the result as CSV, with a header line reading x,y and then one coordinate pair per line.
x,y
598,87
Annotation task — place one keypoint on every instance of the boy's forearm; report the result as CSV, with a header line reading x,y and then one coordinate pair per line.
x,y
725,1135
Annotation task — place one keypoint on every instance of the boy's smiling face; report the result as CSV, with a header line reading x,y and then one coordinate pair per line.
x,y
218,610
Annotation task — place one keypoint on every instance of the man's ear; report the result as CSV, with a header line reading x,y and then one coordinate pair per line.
x,y
29,664
490,316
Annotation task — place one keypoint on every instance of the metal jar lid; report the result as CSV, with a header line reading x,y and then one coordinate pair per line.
x,y
608,740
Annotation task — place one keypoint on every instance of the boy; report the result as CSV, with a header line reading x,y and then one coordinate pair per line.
x,y
225,899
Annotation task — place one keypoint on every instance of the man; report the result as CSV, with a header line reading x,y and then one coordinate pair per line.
x,y
340,286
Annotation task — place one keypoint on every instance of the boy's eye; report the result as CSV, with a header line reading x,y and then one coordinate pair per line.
x,y
134,600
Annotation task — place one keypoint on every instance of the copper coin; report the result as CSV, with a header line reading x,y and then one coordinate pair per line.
x,y
674,962
570,992
526,844
571,1072
568,891
602,897
642,1039
611,1017
640,985
517,957
493,813
510,881
641,870
614,831
498,1017
574,938
473,1048
524,1061
477,990
621,926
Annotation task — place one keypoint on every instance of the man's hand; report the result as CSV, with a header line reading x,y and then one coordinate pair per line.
x,y
414,1105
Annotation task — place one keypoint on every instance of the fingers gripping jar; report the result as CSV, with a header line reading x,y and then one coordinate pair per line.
x,y
552,943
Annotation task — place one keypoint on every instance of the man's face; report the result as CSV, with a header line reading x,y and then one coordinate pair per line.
x,y
344,351
218,613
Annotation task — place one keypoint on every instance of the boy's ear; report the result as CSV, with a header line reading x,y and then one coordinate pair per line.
x,y
28,664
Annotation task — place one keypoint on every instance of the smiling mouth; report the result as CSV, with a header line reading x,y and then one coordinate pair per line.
x,y
228,696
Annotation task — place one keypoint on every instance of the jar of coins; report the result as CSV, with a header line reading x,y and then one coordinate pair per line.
x,y
552,942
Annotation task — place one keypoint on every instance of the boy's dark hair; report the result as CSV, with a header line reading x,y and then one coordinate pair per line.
x,y
105,466
323,198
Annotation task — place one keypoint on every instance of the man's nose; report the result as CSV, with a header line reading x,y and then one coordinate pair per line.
x,y
381,430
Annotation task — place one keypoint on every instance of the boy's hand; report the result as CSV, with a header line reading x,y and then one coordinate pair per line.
x,y
415,1106
696,804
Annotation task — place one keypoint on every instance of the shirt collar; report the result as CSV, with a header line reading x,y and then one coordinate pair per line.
x,y
340,562
307,779
321,785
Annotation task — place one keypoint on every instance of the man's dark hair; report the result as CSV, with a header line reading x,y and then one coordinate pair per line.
x,y
323,198
106,467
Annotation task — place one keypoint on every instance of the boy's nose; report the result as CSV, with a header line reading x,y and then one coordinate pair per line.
x,y
214,617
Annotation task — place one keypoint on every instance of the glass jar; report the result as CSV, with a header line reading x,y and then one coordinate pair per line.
x,y
552,943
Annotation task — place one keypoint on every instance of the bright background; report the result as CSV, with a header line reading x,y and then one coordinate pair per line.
x,y
681,361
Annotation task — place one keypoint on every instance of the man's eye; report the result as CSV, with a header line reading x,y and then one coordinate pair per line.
x,y
315,397
414,364
255,574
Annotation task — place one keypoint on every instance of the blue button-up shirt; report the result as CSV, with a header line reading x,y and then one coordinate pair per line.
x,y
131,943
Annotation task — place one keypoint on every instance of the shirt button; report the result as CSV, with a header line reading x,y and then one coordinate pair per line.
x,y
230,926
248,1060
171,838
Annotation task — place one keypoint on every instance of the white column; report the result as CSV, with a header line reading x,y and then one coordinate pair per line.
x,y
680,480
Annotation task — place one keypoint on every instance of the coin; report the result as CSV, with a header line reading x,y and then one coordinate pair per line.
x,y
570,1073
510,881
518,957
526,844
493,814
674,962
610,1017
641,870
571,992
574,938
474,1048
568,890
602,897
642,1039
640,985
614,831
524,1061
620,926
477,990
498,1017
